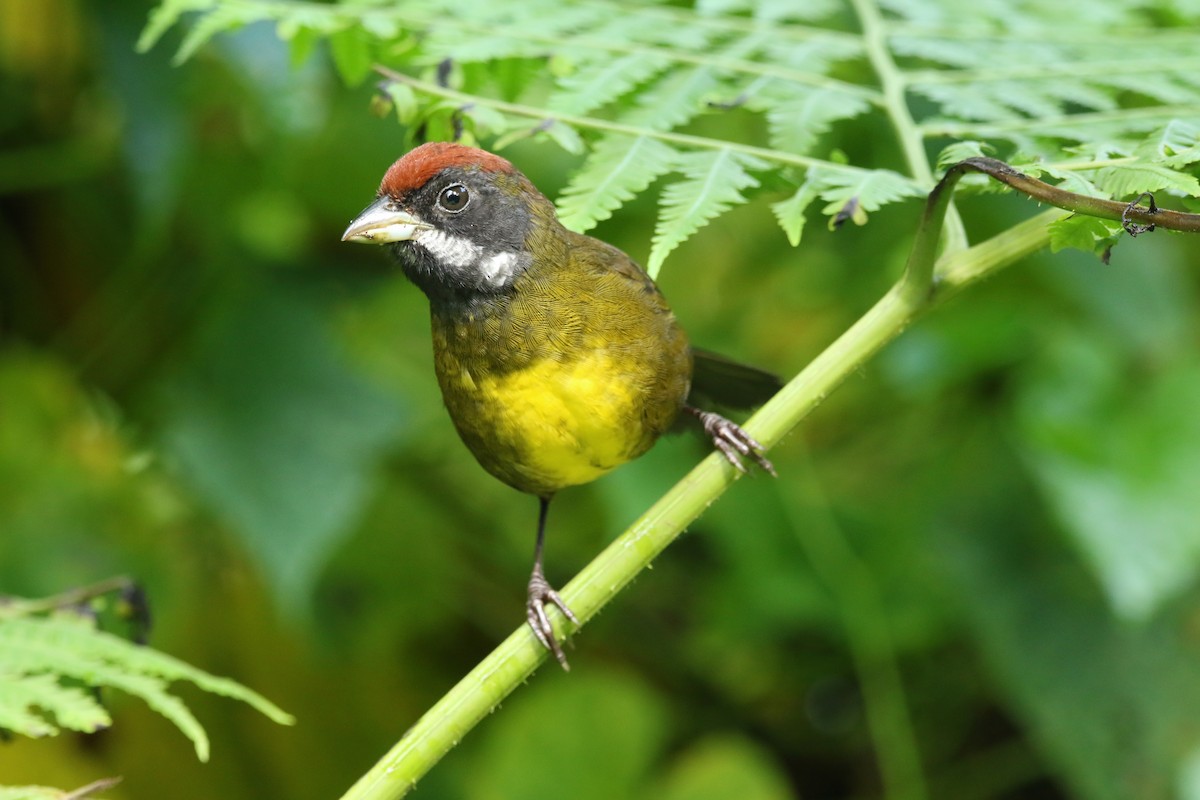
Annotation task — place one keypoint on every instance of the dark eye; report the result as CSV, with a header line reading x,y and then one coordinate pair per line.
x,y
454,198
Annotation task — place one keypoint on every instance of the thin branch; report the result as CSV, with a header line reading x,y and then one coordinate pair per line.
x,y
1149,216
11,607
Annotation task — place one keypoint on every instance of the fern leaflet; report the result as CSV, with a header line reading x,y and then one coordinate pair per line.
x,y
617,169
713,184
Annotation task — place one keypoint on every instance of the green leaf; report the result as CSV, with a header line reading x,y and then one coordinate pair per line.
x,y
719,768
404,99
352,55
1089,234
790,212
1119,467
563,135
617,169
601,80
1074,677
166,15
603,728
960,151
41,658
219,19
867,190
241,426
796,123
674,99
301,41
1177,144
713,184
1126,180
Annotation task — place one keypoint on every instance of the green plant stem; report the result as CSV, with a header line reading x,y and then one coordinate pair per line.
x,y
895,88
12,607
502,671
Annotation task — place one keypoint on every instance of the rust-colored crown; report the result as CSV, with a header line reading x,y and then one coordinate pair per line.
x,y
413,169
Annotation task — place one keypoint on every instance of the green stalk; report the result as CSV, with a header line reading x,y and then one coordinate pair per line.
x,y
895,89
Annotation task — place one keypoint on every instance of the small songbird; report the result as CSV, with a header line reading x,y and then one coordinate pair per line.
x,y
557,356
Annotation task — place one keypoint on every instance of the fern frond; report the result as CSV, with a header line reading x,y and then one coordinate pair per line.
x,y
868,190
713,183
1032,78
617,169
675,98
799,115
600,81
41,657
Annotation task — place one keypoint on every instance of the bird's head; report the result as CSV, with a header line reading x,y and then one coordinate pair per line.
x,y
461,221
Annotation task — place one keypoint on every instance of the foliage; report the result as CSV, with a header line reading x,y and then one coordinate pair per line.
x,y
52,665
976,574
1108,117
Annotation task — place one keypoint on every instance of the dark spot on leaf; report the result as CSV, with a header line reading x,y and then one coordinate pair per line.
x,y
443,72
845,213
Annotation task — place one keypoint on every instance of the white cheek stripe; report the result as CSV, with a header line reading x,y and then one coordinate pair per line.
x,y
452,250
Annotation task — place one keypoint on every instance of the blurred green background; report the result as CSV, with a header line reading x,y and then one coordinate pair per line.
x,y
977,568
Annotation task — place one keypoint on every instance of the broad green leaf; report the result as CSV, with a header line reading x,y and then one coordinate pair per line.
x,y
724,767
1118,459
1078,680
351,50
277,435
617,169
604,729
713,183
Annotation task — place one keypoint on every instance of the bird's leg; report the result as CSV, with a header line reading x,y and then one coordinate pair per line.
x,y
731,440
541,593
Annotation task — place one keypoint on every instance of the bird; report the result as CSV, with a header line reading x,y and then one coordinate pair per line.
x,y
557,356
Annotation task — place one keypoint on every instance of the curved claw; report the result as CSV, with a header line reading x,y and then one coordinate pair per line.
x,y
541,593
733,442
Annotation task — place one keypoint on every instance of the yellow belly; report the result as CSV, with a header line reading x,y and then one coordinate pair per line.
x,y
551,425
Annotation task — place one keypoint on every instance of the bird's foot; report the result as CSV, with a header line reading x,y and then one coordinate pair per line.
x,y
540,594
733,442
